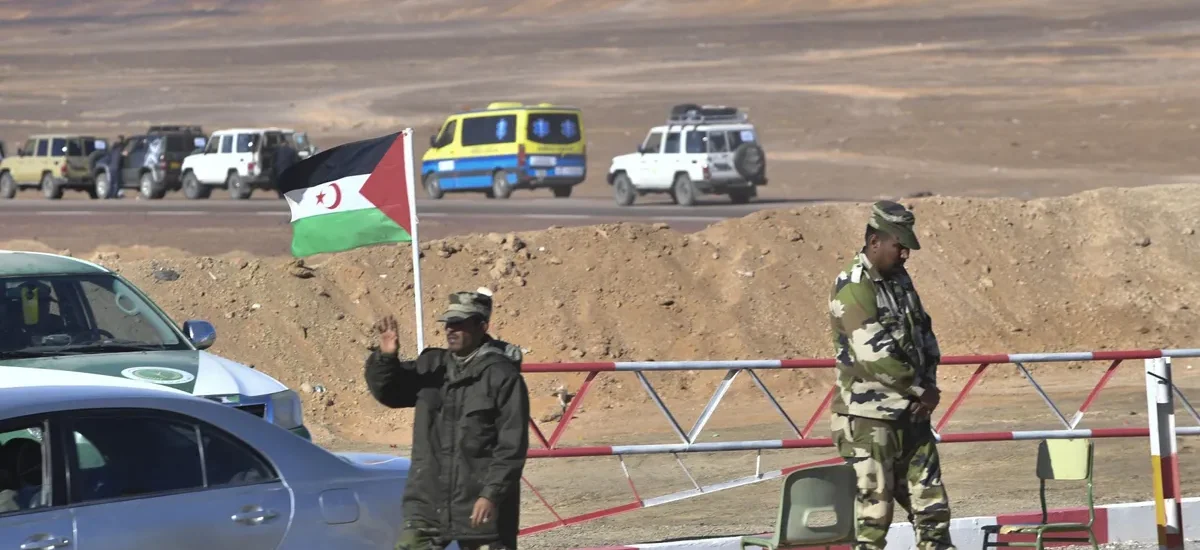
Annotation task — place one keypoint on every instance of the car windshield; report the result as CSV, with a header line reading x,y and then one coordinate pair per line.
x,y
64,314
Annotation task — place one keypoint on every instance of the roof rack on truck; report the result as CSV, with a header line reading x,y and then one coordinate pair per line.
x,y
690,113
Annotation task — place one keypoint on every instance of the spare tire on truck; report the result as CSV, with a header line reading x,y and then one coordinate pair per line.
x,y
750,161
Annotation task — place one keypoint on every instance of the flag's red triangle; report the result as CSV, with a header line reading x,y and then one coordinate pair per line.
x,y
387,186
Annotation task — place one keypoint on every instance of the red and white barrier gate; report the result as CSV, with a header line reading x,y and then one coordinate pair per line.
x,y
1160,403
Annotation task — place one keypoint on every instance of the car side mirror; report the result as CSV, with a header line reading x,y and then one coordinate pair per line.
x,y
433,141
201,333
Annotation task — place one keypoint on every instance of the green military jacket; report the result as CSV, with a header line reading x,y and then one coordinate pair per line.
x,y
887,353
470,436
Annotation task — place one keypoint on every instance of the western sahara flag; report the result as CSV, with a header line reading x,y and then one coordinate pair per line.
x,y
352,195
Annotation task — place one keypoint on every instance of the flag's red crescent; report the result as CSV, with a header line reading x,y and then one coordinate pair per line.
x,y
338,199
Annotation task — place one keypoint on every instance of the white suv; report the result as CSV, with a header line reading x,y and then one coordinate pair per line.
x,y
239,159
710,150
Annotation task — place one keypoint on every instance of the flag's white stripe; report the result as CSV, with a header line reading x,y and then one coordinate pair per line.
x,y
303,202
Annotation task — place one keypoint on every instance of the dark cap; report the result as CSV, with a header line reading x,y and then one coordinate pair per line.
x,y
466,304
896,220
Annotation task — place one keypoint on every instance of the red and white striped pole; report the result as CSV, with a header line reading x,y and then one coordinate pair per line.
x,y
1168,502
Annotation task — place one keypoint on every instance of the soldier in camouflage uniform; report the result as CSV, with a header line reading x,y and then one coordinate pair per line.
x,y
887,358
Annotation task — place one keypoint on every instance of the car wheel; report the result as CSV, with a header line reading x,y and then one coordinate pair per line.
x,y
433,186
148,189
50,188
683,190
238,188
623,190
8,187
103,186
193,189
500,187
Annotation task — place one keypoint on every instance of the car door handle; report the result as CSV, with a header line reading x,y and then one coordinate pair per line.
x,y
253,515
45,542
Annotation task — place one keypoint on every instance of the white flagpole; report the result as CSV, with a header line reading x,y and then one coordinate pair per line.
x,y
410,178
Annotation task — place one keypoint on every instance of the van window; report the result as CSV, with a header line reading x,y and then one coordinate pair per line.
x,y
447,135
486,130
553,128
58,147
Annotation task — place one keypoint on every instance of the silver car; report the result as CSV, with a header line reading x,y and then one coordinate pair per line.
x,y
124,466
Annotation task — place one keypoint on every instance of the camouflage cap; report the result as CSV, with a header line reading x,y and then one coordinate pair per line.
x,y
466,304
895,220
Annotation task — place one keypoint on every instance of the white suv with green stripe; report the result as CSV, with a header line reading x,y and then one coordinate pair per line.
x,y
65,314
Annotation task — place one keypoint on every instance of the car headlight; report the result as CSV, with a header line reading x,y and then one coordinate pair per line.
x,y
286,410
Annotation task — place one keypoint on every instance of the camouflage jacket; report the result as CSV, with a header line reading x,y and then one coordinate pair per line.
x,y
887,353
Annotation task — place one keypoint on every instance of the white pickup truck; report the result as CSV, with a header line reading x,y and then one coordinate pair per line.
x,y
711,150
239,160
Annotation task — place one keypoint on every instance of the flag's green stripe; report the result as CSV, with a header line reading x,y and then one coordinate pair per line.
x,y
340,231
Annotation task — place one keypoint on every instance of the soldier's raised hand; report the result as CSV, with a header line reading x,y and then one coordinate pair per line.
x,y
389,339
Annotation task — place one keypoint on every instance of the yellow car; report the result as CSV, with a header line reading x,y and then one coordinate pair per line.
x,y
51,162
504,147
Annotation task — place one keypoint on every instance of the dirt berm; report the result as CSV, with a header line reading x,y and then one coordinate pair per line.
x,y
1108,269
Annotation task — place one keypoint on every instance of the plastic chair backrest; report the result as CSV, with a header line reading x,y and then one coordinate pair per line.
x,y
1065,459
819,490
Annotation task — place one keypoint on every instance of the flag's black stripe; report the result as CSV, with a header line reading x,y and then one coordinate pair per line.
x,y
348,159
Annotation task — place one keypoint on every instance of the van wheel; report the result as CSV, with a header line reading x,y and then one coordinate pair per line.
x,y
683,190
433,186
50,188
623,190
500,187
148,189
193,189
8,187
238,188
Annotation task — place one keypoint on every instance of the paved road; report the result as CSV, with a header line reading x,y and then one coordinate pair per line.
x,y
260,226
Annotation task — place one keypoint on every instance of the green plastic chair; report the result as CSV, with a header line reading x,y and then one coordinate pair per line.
x,y
828,488
1058,460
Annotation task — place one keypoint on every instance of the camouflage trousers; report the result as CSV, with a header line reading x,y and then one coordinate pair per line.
x,y
895,461
416,536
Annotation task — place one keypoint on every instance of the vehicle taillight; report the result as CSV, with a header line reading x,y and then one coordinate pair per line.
x,y
162,164
250,167
521,155
63,169
707,172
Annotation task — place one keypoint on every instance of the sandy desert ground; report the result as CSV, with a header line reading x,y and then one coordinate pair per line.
x,y
1056,142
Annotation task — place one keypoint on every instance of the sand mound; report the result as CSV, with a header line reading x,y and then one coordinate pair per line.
x,y
1104,269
